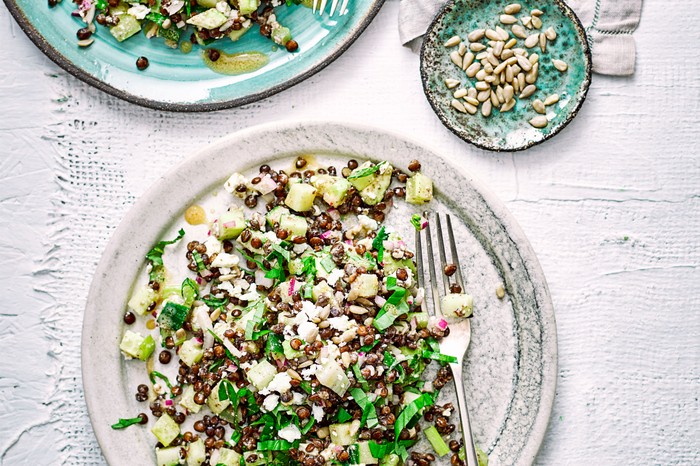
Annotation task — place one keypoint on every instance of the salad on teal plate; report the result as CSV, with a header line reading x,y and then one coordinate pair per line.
x,y
192,55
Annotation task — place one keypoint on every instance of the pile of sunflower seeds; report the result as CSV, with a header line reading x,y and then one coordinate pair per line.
x,y
503,69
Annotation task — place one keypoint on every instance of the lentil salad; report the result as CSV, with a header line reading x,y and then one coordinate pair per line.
x,y
300,332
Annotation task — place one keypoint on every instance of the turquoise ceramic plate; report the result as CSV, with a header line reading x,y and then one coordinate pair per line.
x,y
509,131
175,81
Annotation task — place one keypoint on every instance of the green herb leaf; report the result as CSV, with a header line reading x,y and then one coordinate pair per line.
x,y
417,221
443,358
155,255
124,423
155,374
343,415
378,244
156,18
309,266
215,302
411,411
273,346
307,427
327,263
189,291
173,316
275,445
369,413
394,307
358,375
256,319
366,171
198,261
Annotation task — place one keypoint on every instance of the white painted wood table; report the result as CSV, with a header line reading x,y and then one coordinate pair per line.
x,y
611,206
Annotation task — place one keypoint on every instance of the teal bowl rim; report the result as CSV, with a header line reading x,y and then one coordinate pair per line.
x,y
58,58
463,135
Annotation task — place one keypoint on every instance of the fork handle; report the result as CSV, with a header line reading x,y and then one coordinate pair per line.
x,y
464,414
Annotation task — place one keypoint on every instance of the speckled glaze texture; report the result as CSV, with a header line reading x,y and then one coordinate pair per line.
x,y
510,370
182,82
508,131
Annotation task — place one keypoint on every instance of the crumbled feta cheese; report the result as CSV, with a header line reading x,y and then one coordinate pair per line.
x,y
280,384
138,11
367,223
334,276
317,412
226,286
235,179
308,331
297,398
174,7
223,7
289,433
213,245
270,403
310,371
225,260
341,323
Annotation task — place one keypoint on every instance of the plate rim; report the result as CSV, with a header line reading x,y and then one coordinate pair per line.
x,y
63,62
582,35
537,432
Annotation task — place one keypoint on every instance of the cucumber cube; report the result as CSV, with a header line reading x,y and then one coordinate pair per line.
x,y
262,374
246,7
362,182
365,454
191,352
131,344
300,197
366,285
207,3
436,440
295,225
166,429
273,216
210,19
142,298
230,224
344,434
289,352
215,403
196,453
321,288
146,348
391,265
229,457
295,266
187,400
373,193
255,234
457,305
332,375
419,189
390,460
234,35
127,27
168,456
281,35
332,188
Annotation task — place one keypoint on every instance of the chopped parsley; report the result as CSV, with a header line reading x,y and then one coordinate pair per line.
x,y
124,423
378,244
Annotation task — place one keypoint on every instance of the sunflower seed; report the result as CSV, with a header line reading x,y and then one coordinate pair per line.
x,y
500,95
498,48
493,60
490,79
508,19
493,35
476,35
483,95
510,44
512,9
473,69
456,58
524,63
462,48
502,33
508,106
540,121
472,100
512,60
486,108
519,51
451,83
482,56
515,69
536,22
538,105
560,65
528,91
457,105
488,68
543,43
531,76
471,92
550,33
531,40
86,42
508,93
527,21
476,47
551,100
500,68
516,85
482,86
519,31
521,80
452,41
494,100
459,93
480,75
537,12
470,108
467,60
534,58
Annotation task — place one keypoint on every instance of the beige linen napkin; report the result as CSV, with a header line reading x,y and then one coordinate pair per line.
x,y
608,23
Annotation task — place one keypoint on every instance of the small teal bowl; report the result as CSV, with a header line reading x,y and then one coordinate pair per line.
x,y
182,82
508,131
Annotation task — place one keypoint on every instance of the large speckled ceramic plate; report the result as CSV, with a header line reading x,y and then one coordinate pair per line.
x,y
509,131
511,367
179,82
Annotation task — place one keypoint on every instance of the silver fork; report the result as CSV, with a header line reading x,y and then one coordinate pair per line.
x,y
320,5
456,343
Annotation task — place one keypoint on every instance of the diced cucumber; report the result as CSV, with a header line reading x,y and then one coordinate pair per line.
x,y
457,305
421,318
208,3
229,457
273,216
365,454
319,289
255,234
364,181
141,300
361,261
210,19
281,35
168,456
230,224
366,285
187,400
419,189
332,188
191,352
127,27
295,266
246,7
285,289
131,343
373,193
439,445
146,348
234,35
324,262
170,34
300,197
289,352
215,403
196,453
173,316
391,265
481,457
390,460
295,225
332,375
343,434
262,374
166,429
